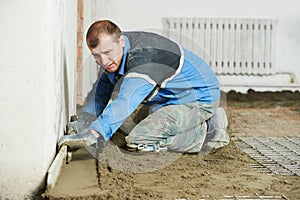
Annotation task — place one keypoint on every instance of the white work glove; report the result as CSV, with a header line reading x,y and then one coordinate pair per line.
x,y
83,122
78,140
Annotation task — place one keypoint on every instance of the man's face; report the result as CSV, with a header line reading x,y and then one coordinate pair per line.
x,y
109,52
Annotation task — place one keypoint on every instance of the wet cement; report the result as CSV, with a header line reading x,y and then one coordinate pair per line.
x,y
224,171
78,178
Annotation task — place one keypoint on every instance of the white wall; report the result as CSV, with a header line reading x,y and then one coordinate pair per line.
x,y
37,84
89,67
136,14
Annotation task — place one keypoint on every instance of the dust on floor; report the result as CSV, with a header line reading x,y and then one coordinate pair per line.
x,y
224,171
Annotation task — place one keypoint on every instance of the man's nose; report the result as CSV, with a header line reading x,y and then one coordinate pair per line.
x,y
105,60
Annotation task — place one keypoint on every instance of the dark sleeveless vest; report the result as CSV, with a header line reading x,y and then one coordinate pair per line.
x,y
152,57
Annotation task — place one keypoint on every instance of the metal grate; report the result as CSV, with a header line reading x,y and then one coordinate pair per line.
x,y
230,45
244,197
274,155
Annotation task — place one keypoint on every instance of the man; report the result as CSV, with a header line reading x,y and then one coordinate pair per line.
x,y
146,68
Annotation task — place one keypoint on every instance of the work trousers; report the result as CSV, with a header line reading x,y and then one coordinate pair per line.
x,y
179,128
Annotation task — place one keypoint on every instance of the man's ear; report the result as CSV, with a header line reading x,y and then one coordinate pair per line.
x,y
122,40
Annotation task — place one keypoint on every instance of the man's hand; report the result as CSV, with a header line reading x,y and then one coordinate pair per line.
x,y
96,134
85,119
100,141
78,140
83,122
96,149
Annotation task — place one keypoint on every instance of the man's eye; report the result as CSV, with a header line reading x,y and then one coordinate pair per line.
x,y
96,56
106,52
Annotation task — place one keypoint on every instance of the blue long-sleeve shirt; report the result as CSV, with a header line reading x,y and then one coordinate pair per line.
x,y
195,82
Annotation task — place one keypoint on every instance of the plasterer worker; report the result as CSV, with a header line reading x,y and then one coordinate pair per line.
x,y
146,68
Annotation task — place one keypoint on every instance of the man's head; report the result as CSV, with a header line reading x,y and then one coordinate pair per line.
x,y
106,42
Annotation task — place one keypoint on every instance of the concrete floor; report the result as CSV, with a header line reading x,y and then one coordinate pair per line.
x,y
78,178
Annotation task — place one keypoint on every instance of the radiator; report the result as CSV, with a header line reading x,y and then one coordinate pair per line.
x,y
238,46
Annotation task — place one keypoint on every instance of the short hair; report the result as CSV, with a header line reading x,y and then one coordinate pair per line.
x,y
104,27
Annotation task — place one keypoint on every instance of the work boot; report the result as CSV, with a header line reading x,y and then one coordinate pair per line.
x,y
146,147
216,136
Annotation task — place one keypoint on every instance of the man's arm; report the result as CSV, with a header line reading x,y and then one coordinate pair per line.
x,y
132,93
99,96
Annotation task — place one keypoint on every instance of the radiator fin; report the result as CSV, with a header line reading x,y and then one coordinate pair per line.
x,y
229,45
